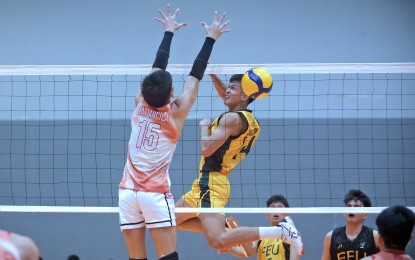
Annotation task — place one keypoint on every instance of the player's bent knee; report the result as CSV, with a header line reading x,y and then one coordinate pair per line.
x,y
216,243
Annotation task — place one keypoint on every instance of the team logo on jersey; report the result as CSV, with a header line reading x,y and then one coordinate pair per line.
x,y
362,245
340,246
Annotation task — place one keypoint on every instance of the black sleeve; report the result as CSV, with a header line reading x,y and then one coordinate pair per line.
x,y
162,55
200,63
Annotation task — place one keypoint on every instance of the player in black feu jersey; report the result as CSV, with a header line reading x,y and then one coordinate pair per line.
x,y
355,240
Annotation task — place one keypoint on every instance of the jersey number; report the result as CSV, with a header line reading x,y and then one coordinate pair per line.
x,y
147,135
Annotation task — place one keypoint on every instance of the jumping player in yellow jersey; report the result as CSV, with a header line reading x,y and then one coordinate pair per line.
x,y
224,143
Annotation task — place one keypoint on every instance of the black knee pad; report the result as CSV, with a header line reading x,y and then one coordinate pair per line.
x,y
172,256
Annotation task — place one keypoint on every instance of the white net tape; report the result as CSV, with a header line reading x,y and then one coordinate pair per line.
x,y
291,68
303,210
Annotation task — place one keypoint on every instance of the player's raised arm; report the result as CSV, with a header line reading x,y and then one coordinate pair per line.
x,y
220,86
185,101
170,25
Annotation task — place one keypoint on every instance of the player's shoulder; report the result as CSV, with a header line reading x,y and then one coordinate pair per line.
x,y
368,228
330,233
248,115
229,118
336,232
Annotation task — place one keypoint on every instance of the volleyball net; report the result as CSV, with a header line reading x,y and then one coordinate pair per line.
x,y
325,129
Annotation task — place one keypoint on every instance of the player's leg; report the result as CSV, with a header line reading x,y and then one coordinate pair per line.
x,y
232,223
284,230
132,223
212,194
164,239
135,242
214,228
158,211
213,225
188,221
183,217
219,239
191,225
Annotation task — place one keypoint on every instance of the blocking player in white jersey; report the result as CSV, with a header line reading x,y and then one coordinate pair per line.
x,y
145,200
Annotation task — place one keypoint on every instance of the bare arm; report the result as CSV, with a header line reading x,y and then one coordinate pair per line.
x,y
220,86
231,124
185,101
170,25
326,246
293,253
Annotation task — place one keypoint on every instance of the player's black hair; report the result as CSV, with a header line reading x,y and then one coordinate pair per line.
x,y
395,225
156,88
278,198
238,78
357,195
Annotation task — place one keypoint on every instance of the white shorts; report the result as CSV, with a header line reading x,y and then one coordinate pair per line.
x,y
151,209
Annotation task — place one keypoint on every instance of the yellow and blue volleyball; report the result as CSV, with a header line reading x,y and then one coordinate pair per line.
x,y
257,83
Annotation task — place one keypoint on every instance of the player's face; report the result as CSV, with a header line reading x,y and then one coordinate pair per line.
x,y
234,94
276,218
351,217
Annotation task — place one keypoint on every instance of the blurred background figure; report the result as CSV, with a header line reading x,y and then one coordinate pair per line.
x,y
395,226
17,247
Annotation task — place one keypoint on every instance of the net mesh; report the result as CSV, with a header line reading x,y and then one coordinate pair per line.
x,y
325,129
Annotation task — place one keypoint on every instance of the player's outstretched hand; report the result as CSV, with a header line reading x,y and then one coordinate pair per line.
x,y
218,27
169,21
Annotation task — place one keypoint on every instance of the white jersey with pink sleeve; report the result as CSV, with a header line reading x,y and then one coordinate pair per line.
x,y
153,140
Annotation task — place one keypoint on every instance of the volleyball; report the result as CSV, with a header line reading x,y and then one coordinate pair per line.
x,y
257,83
